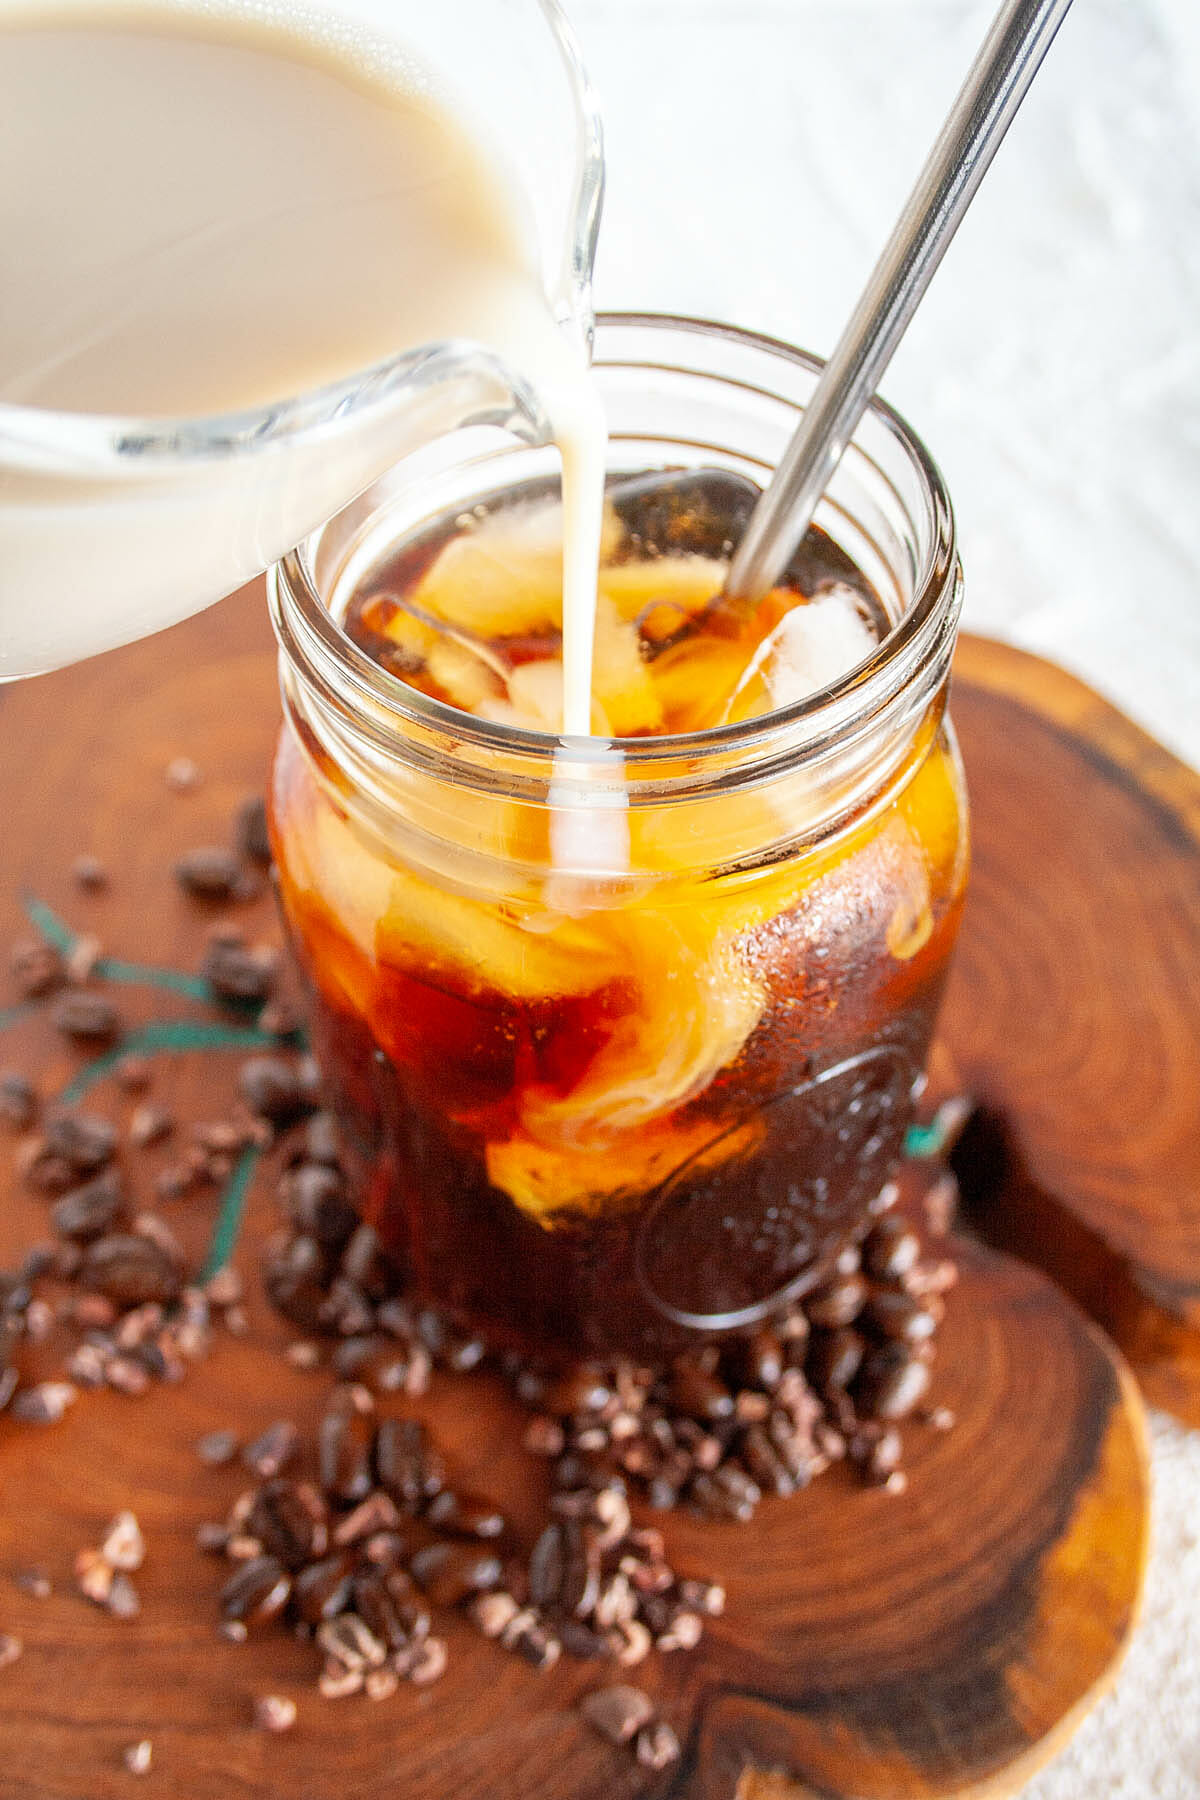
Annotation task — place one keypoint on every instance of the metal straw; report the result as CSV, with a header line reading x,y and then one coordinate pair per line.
x,y
998,81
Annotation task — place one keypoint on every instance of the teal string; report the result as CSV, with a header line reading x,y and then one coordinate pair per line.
x,y
109,968
229,1219
48,923
174,1036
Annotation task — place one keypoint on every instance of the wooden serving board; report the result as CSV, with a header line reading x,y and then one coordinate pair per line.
x,y
943,1642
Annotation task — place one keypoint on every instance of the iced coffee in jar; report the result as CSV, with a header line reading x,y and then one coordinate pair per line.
x,y
623,1031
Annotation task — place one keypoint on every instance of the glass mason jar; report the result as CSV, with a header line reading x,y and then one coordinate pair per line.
x,y
626,1105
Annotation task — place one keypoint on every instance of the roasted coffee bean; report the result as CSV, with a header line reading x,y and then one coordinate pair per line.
x,y
539,1646
765,1464
257,1591
250,832
883,1454
130,1270
546,1564
350,1641
84,1140
18,1100
657,1746
581,1642
493,1612
294,1278
9,1379
835,1357
344,1452
37,1164
582,1389
375,1515
43,1404
891,1249
89,872
365,1265
375,1605
133,1074
288,1519
270,1088
837,1302
240,972
321,1141
762,1358
85,1015
323,1589
897,1315
270,1453
149,1125
891,1383
209,873
216,1448
449,1573
427,1662
89,1211
407,1464
618,1713
82,958
699,1394
464,1515
706,1597
37,968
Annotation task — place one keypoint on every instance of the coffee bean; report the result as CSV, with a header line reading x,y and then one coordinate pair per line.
x,y
315,1198
618,1713
891,1249
407,1464
250,832
85,1015
365,1265
376,1514
270,1453
89,873
236,972
18,1100
321,1140
657,1746
89,1211
428,1662
149,1125
43,1404
138,1758
323,1589
376,1606
493,1612
216,1448
270,1088
835,1357
344,1453
130,1270
464,1515
883,1455
891,1382
257,1592
289,1520
898,1315
274,1713
765,1464
837,1302
84,1140
449,1573
546,1566
699,1394
209,872
36,967
293,1275
582,1390
350,1641
133,1074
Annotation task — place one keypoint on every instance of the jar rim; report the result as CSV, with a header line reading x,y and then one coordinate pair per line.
x,y
307,629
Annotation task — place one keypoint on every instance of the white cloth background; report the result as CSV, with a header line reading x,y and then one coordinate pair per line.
x,y
759,151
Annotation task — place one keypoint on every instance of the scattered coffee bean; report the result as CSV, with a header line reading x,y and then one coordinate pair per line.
x,y
464,1515
270,1087
657,1746
251,834
36,967
84,1140
11,1648
209,872
898,1315
34,1582
239,972
182,774
82,958
891,1249
89,872
838,1303
257,1592
270,1454
43,1404
18,1100
149,1125
123,1601
450,1573
133,1074
123,1546
89,1017
130,1270
217,1448
891,1382
89,1211
274,1712
138,1758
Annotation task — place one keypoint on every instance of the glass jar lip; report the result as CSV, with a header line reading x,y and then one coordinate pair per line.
x,y
810,722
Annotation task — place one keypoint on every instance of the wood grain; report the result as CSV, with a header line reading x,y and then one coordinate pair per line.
x,y
1073,1012
938,1643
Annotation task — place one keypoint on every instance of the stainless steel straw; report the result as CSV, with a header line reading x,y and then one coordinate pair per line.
x,y
987,103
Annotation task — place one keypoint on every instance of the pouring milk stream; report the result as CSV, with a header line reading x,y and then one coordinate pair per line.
x,y
208,215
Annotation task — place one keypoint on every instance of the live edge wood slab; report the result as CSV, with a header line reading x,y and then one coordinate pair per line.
x,y
943,1642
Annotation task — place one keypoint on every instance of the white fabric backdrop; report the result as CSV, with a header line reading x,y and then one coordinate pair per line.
x,y
759,151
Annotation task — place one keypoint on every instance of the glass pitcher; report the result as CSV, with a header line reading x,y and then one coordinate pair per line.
x,y
113,527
